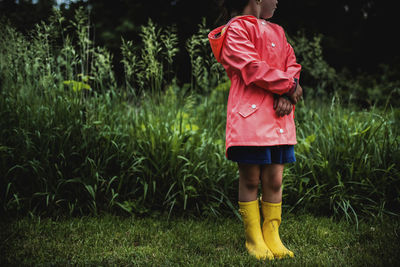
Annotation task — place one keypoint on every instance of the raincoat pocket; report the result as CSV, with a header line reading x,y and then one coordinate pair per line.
x,y
251,101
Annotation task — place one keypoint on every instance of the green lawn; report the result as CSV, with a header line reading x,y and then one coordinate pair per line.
x,y
110,240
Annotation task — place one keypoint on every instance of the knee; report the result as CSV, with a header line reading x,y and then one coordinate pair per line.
x,y
272,177
249,175
275,184
251,183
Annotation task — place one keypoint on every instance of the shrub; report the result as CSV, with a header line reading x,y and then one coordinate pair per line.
x,y
320,79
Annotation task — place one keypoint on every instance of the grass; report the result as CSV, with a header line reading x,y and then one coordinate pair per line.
x,y
110,240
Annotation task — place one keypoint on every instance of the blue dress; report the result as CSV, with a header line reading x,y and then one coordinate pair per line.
x,y
262,154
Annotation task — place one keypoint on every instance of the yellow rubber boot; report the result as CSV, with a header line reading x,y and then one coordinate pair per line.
x,y
272,219
255,244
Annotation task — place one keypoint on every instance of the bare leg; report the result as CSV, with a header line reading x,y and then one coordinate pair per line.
x,y
271,176
249,179
271,207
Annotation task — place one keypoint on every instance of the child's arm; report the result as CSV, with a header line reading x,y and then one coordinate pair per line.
x,y
291,64
294,68
239,54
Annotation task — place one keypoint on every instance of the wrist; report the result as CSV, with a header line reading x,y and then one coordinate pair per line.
x,y
285,96
293,88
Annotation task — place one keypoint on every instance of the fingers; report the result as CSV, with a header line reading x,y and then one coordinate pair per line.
x,y
279,109
290,108
283,107
299,91
297,95
294,98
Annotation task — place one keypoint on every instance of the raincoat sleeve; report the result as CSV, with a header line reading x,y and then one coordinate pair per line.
x,y
292,66
239,54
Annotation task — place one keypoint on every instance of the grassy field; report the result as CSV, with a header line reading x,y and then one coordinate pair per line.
x,y
110,240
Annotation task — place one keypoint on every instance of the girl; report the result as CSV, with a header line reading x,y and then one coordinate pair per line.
x,y
260,129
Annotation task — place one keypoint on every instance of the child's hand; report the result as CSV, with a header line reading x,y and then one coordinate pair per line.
x,y
297,95
282,106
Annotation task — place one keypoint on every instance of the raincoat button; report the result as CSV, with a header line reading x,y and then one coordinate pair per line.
x,y
273,45
281,130
263,22
253,106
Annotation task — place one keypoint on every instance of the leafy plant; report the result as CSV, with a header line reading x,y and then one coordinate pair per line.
x,y
153,68
206,71
320,79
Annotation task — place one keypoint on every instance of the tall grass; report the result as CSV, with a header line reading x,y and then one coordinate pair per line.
x,y
73,142
206,72
348,161
78,144
152,68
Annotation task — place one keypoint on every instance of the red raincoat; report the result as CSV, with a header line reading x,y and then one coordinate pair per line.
x,y
259,62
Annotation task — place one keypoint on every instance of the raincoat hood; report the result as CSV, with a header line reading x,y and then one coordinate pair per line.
x,y
217,36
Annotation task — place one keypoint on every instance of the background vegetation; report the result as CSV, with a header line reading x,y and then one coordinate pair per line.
x,y
75,140
353,33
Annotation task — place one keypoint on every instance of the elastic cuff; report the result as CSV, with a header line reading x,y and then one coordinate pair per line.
x,y
247,202
271,204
